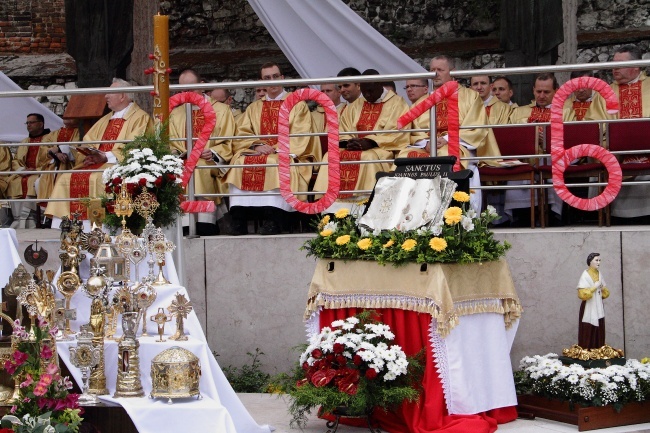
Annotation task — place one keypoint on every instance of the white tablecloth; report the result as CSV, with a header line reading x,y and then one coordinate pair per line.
x,y
219,411
9,258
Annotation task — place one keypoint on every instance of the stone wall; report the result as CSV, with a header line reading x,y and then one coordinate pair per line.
x,y
32,27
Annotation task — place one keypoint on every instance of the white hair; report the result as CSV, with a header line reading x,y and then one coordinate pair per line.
x,y
123,83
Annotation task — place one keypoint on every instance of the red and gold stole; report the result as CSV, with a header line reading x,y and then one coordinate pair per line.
x,y
418,154
253,178
630,98
442,116
80,182
581,108
487,110
539,114
65,134
350,172
30,161
198,122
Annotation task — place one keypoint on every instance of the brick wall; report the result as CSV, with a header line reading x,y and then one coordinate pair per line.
x,y
32,27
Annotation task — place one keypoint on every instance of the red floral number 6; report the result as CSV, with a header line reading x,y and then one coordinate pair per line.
x,y
561,158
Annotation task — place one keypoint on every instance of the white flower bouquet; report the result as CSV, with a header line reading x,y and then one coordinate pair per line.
x,y
617,384
353,365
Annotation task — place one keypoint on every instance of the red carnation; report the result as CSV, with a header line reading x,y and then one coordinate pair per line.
x,y
338,348
356,359
108,189
158,182
143,182
341,360
171,177
317,353
371,373
117,181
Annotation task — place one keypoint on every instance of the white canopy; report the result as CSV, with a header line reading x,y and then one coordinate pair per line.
x,y
14,111
322,37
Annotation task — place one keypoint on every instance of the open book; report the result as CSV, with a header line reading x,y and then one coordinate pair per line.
x,y
86,150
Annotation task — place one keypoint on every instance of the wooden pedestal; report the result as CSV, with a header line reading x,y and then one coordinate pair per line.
x,y
586,418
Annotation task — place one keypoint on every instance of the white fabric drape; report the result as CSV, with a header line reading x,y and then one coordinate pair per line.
x,y
11,258
322,37
14,111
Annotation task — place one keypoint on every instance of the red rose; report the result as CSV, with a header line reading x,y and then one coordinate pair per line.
x,y
171,177
117,189
158,182
131,187
341,360
330,357
338,348
110,207
356,359
143,182
117,181
371,373
317,353
108,189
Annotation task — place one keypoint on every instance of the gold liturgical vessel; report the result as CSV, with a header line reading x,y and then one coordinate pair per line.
x,y
128,359
175,373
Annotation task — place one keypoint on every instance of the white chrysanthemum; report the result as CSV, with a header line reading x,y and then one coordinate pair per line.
x,y
337,323
332,225
147,152
352,320
467,223
367,355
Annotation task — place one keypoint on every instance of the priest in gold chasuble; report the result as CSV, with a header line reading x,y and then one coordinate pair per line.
x,y
261,118
378,110
125,122
632,87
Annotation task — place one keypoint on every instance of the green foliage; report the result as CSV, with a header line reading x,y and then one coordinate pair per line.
x,y
339,237
248,377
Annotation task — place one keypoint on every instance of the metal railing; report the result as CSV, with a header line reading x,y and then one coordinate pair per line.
x,y
335,80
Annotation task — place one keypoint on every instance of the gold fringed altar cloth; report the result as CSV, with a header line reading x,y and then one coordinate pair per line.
x,y
445,291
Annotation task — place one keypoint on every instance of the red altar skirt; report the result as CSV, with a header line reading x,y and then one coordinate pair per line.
x,y
411,331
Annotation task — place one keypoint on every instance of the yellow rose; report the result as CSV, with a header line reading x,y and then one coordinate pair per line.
x,y
389,244
342,240
453,215
364,243
342,213
409,244
326,233
461,196
438,244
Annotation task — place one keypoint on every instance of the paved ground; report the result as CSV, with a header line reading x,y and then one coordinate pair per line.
x,y
272,409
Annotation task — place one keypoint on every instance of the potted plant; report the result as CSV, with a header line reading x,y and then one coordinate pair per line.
x,y
148,165
350,368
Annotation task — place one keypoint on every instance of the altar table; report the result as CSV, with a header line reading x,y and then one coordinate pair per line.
x,y
465,316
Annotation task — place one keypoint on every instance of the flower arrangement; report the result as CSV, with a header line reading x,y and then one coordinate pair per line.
x,y
617,384
44,403
352,364
463,237
149,166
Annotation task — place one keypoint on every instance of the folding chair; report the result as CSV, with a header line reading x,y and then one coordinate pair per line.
x,y
514,140
574,134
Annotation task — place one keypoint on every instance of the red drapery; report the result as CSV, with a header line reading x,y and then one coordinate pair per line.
x,y
411,331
